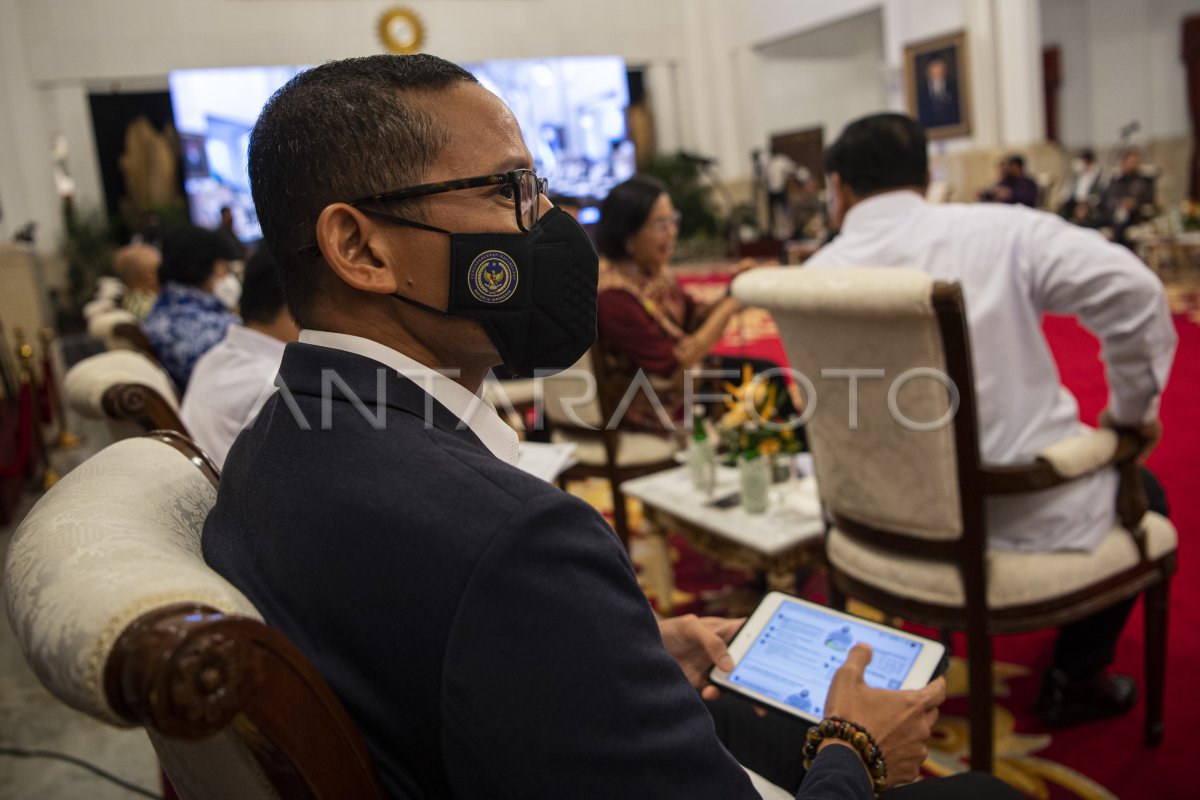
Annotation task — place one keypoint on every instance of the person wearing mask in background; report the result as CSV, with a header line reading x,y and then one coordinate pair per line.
x,y
231,381
1080,198
137,267
1013,187
1129,197
194,308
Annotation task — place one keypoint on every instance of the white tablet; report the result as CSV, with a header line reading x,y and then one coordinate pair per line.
x,y
786,653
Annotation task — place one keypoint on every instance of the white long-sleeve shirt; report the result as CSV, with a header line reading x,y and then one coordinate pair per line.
x,y
229,385
1015,264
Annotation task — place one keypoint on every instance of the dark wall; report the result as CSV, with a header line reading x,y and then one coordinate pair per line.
x,y
111,115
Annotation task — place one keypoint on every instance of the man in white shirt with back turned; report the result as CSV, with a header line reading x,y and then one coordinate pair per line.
x,y
1014,265
231,382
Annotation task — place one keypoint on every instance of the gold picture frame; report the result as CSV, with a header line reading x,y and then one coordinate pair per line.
x,y
938,81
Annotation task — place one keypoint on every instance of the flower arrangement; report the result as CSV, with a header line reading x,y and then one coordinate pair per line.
x,y
1189,213
752,426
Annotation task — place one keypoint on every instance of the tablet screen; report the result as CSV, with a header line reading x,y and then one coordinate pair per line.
x,y
799,649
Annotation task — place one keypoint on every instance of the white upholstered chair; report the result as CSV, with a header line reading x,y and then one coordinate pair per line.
x,y
909,533
125,388
119,330
120,618
578,406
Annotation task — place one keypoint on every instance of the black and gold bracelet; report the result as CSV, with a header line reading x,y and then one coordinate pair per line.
x,y
858,738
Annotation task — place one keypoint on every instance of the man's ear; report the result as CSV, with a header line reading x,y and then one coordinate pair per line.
x,y
355,249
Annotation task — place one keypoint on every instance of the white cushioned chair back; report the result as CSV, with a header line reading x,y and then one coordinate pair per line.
x,y
101,325
87,381
880,472
117,537
571,397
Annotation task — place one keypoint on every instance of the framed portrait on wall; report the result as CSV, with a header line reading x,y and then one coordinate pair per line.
x,y
938,82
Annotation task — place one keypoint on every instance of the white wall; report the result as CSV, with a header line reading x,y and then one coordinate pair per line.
x,y
1003,42
1121,62
1065,23
823,78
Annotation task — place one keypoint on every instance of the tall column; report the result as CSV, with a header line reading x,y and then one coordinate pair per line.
x,y
709,119
663,91
1018,29
26,182
983,56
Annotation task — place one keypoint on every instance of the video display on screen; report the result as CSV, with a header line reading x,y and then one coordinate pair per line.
x,y
571,111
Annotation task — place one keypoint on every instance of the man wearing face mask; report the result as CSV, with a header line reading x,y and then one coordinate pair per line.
x,y
485,630
195,306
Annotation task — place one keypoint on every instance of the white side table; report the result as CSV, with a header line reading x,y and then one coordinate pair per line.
x,y
788,536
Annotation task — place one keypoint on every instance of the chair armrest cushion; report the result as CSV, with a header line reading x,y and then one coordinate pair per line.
x,y
1083,454
87,381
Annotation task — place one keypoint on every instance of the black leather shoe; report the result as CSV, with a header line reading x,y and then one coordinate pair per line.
x,y
1062,702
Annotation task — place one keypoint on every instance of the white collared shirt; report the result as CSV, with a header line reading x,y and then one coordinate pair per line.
x,y
229,385
1014,265
472,408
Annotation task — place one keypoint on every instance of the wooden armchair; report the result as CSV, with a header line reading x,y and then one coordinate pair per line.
x,y
119,330
120,618
578,405
909,534
128,390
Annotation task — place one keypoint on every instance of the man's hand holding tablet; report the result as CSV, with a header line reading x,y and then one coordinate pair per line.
x,y
900,720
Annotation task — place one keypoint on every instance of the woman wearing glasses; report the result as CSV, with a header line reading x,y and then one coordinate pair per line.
x,y
646,321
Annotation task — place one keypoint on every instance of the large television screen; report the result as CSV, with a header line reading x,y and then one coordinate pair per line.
x,y
572,114
571,111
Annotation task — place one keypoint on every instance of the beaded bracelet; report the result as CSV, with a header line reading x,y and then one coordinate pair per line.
x,y
856,735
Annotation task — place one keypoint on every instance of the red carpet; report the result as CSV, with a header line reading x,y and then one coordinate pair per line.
x,y
1111,753
1104,759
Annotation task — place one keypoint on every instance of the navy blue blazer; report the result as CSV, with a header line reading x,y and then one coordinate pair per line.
x,y
484,629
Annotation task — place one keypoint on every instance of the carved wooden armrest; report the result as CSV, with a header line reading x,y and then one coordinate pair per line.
x,y
133,333
1063,462
190,671
186,670
136,402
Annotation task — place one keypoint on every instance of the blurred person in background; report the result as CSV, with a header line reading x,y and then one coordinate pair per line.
x,y
230,382
1080,199
1013,187
137,267
1129,197
195,306
647,322
225,229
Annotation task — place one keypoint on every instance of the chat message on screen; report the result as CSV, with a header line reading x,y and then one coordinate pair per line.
x,y
795,655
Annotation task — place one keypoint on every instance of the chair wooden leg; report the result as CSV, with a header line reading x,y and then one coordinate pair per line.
x,y
620,514
979,693
1156,601
837,598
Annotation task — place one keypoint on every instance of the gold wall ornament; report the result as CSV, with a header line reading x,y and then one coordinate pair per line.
x,y
401,31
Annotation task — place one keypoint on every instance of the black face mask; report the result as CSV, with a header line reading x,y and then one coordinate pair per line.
x,y
534,293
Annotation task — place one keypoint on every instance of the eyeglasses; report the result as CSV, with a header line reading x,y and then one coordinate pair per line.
x,y
524,186
665,224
